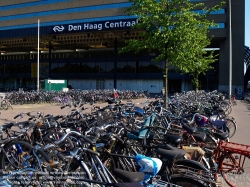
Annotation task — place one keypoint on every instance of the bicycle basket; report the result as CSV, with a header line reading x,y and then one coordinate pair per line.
x,y
104,117
195,153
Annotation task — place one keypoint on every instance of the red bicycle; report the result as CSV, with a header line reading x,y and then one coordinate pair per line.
x,y
233,162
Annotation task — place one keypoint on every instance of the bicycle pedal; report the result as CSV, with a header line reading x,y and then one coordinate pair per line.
x,y
218,184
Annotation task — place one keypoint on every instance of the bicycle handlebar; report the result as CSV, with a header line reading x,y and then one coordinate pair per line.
x,y
74,133
21,114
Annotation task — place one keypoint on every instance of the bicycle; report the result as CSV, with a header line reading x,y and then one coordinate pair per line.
x,y
5,104
232,159
233,100
96,172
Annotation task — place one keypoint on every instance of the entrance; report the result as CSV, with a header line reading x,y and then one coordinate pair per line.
x,y
174,86
100,84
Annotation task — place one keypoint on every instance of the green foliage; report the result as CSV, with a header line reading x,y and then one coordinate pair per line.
x,y
175,30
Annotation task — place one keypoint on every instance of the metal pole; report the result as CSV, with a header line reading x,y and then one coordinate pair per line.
x,y
38,56
230,50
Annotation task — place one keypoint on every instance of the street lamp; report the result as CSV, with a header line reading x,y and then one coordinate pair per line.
x,y
38,57
230,50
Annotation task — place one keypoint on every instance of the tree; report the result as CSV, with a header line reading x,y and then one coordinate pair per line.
x,y
202,59
201,64
170,27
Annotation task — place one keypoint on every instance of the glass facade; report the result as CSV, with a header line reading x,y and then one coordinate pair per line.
x,y
86,65
66,11
31,4
137,67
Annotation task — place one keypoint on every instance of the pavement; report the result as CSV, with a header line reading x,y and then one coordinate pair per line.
x,y
7,116
241,113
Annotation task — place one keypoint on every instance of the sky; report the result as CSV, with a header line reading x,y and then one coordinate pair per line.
x,y
247,23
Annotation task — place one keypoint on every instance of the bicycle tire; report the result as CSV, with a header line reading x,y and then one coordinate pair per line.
x,y
231,127
4,105
27,147
228,110
229,165
10,105
186,181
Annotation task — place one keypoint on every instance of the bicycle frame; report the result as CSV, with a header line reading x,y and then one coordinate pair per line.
x,y
228,149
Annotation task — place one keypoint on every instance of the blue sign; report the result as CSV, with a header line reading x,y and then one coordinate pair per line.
x,y
95,26
71,28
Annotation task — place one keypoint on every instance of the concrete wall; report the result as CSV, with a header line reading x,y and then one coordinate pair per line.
x,y
238,40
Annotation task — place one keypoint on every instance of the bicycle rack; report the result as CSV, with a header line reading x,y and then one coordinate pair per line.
x,y
236,148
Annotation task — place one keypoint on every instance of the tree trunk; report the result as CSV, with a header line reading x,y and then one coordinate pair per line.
x,y
196,81
166,84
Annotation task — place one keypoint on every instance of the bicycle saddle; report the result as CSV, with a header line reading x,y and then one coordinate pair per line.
x,y
190,130
221,136
8,126
175,139
171,154
55,118
128,176
23,124
111,101
201,136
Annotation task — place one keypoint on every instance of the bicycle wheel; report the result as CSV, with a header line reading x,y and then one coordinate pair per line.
x,y
10,105
4,105
235,169
18,155
186,181
231,127
228,110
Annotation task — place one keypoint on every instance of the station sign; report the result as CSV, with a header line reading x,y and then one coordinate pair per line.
x,y
95,26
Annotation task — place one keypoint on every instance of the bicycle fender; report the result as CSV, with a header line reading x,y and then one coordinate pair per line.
x,y
190,163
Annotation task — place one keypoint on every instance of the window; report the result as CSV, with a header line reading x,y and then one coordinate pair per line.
x,y
25,68
54,68
88,67
109,67
157,67
219,26
121,67
1,68
100,67
62,67
131,67
144,67
73,67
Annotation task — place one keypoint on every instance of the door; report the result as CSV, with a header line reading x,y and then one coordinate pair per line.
x,y
100,84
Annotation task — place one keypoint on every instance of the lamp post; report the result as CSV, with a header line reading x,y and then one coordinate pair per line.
x,y
230,50
38,58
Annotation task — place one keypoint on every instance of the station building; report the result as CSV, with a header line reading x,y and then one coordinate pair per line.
x,y
80,41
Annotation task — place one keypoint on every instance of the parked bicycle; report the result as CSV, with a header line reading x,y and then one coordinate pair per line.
x,y
5,103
